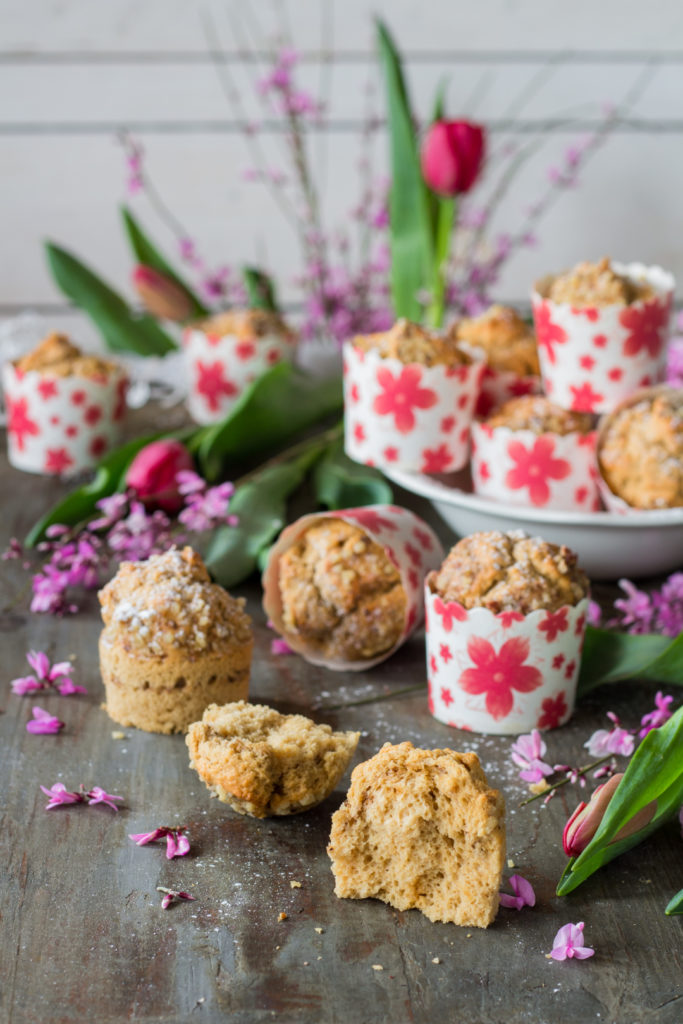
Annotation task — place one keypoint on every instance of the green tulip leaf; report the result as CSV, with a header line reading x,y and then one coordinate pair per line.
x,y
121,328
341,483
260,289
610,657
675,905
149,255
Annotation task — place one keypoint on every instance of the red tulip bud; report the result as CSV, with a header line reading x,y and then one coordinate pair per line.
x,y
160,295
452,156
152,474
586,819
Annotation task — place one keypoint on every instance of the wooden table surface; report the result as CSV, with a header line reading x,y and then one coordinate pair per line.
x,y
82,934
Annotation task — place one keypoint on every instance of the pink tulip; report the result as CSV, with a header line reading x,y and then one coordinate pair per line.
x,y
586,819
452,156
152,473
161,296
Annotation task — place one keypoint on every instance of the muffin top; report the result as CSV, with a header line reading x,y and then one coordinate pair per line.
x,y
508,341
596,284
246,324
510,572
410,343
340,593
540,415
58,357
169,603
641,451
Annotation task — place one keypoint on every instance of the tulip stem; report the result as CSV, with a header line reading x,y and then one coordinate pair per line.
x,y
563,782
443,229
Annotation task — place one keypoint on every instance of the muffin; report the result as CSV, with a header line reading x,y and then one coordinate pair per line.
x,y
173,642
229,351
409,397
640,451
344,588
532,452
262,763
602,330
421,829
506,616
507,340
64,407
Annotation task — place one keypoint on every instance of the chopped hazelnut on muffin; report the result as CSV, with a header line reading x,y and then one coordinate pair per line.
x,y
596,284
507,340
541,416
410,343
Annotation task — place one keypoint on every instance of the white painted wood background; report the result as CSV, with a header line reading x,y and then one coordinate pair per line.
x,y
74,72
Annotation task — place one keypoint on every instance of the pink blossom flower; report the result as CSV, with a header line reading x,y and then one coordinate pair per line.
x,y
46,676
97,795
524,894
171,895
527,752
205,507
661,714
43,723
594,613
60,795
177,843
568,943
611,741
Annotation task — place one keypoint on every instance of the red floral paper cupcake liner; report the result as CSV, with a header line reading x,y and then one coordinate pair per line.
x,y
520,467
504,674
499,386
409,543
408,416
594,357
220,367
60,426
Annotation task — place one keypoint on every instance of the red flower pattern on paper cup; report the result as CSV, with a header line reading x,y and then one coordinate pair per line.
x,y
406,415
60,426
499,386
502,673
408,541
221,366
520,467
592,357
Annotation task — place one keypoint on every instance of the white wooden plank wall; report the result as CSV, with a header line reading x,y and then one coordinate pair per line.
x,y
74,72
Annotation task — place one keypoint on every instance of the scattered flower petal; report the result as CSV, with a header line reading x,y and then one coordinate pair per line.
x,y
98,796
524,894
171,895
611,741
567,944
43,723
659,716
177,843
280,646
527,752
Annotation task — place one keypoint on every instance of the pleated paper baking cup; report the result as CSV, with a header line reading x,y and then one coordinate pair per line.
x,y
592,357
221,366
499,386
506,673
60,426
408,416
410,544
520,467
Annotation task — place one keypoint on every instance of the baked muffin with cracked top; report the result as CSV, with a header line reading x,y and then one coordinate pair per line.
x,y
262,763
509,572
341,595
507,340
640,450
173,642
541,416
596,284
410,343
57,356
246,324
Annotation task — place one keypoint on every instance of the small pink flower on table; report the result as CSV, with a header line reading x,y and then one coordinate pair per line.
x,y
43,723
97,795
60,795
47,676
611,741
528,752
177,843
171,895
568,944
661,714
524,894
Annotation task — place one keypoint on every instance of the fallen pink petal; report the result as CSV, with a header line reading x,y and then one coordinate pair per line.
x,y
661,714
171,895
97,795
568,943
528,752
57,676
43,723
60,795
177,843
611,741
142,838
524,894
280,646
26,684
68,688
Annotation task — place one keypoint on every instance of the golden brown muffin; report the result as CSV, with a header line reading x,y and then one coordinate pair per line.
x,y
246,324
173,642
596,284
540,415
509,572
340,593
641,451
410,343
263,763
58,357
508,341
421,829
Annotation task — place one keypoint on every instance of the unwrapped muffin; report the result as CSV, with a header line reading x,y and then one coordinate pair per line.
x,y
421,829
506,615
263,763
640,450
173,643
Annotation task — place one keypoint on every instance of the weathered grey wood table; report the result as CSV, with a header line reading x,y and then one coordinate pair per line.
x,y
83,937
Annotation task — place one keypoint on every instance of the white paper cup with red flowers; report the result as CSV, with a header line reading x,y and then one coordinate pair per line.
x,y
406,415
226,354
345,588
499,386
64,408
594,355
502,672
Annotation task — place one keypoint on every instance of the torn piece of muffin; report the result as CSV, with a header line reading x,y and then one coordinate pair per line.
x,y
410,343
507,340
421,829
510,572
596,284
263,763
173,643
341,595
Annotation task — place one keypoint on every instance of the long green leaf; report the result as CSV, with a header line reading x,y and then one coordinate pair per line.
x,y
655,772
675,904
147,253
260,289
412,247
610,657
341,483
121,328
